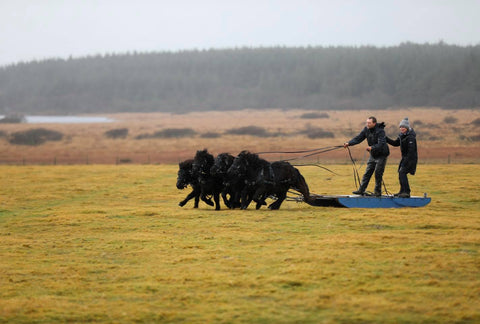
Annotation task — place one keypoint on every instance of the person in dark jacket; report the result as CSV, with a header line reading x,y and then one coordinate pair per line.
x,y
378,148
408,164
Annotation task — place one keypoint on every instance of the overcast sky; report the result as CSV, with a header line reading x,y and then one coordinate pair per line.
x,y
40,29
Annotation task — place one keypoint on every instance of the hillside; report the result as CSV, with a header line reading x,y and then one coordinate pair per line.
x,y
317,78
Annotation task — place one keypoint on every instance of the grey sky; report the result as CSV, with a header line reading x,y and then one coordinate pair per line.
x,y
40,29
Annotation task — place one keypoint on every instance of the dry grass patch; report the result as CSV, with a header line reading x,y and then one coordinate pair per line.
x,y
171,138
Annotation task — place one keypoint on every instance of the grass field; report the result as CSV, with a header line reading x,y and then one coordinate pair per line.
x,y
102,243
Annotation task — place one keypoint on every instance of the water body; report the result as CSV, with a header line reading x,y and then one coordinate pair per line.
x,y
65,119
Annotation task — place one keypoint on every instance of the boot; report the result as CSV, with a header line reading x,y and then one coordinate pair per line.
x,y
361,189
404,195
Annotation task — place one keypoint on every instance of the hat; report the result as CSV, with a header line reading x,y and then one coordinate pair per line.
x,y
405,123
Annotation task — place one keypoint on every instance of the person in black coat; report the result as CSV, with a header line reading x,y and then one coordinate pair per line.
x,y
378,148
408,164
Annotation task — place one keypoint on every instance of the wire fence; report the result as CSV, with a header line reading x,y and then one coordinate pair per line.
x,y
158,158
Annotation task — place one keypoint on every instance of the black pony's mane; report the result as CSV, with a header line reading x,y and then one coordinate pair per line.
x,y
204,155
249,157
225,157
187,164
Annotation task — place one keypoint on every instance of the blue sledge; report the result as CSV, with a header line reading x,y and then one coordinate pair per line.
x,y
356,201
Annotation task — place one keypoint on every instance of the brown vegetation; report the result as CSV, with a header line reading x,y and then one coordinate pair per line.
x,y
444,135
34,137
117,133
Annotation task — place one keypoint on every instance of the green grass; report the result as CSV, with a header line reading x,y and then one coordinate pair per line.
x,y
110,244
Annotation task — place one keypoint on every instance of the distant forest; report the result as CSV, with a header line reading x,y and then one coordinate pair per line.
x,y
317,78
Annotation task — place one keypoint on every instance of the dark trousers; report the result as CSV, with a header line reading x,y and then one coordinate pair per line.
x,y
402,178
377,166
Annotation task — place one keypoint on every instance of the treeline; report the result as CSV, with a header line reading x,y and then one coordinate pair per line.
x,y
313,78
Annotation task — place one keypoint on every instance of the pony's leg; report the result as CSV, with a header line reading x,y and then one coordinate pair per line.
x,y
226,201
216,197
258,197
280,198
261,202
246,199
243,199
207,201
189,196
231,200
237,199
197,200
249,199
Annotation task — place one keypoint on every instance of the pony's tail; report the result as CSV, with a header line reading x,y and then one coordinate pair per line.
x,y
302,187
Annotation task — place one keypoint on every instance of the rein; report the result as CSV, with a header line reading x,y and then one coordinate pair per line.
x,y
316,151
311,152
316,165
356,175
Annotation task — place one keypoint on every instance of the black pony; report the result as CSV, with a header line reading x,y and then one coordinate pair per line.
x,y
246,169
264,179
230,189
209,184
286,177
186,177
